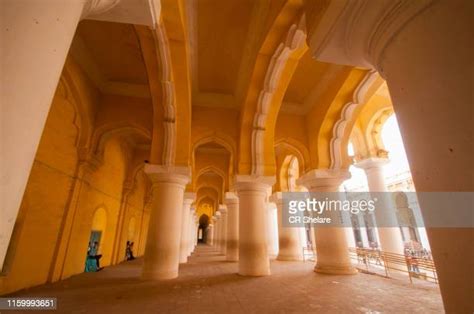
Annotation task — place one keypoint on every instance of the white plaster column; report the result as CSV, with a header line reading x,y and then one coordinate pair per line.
x,y
217,237
191,231
36,36
253,252
232,203
196,229
331,242
272,230
210,235
289,243
188,199
389,235
164,232
223,211
363,230
214,231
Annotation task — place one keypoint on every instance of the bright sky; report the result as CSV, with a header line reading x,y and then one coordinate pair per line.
x,y
392,140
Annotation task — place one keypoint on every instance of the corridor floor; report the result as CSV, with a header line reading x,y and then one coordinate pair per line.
x,y
208,284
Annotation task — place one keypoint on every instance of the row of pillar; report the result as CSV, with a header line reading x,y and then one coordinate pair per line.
x,y
242,227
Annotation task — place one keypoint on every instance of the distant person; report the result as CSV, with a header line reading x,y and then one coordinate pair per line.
x,y
129,251
92,253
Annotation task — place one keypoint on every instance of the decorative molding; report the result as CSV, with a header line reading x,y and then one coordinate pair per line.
x,y
358,32
172,174
339,129
324,178
95,7
295,39
168,89
390,22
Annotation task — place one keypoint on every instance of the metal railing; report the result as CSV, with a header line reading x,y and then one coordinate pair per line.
x,y
387,264
376,261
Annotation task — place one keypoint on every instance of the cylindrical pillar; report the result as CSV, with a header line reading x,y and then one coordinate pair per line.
x,y
164,232
210,235
272,230
185,231
223,211
218,230
253,253
232,203
331,242
288,237
389,234
191,233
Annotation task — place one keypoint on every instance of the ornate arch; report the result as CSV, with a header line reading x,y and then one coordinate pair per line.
x,y
337,148
276,80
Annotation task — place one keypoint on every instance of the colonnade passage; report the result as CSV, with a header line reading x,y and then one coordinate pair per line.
x,y
149,150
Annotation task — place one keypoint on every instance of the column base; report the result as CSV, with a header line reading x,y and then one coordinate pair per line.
x,y
335,270
255,273
232,258
289,258
162,275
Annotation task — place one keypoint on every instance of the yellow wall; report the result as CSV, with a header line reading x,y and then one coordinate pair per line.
x,y
53,227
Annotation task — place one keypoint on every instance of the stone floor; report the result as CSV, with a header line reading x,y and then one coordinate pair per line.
x,y
208,284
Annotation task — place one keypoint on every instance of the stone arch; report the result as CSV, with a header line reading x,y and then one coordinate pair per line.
x,y
263,118
106,132
68,87
219,138
342,127
99,223
211,169
298,149
289,172
373,132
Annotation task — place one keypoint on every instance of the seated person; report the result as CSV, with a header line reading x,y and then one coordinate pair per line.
x,y
129,251
92,260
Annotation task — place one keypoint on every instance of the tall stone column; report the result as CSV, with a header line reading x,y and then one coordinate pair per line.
x,y
331,242
164,232
253,253
389,235
290,248
223,211
214,231
118,253
36,36
272,230
210,235
191,231
232,203
217,237
188,199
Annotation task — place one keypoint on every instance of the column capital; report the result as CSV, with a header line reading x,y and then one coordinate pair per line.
x,y
271,206
372,162
324,179
231,198
222,209
189,197
277,198
253,183
170,174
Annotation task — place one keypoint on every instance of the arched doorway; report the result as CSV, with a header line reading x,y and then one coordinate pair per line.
x,y
202,230
96,240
